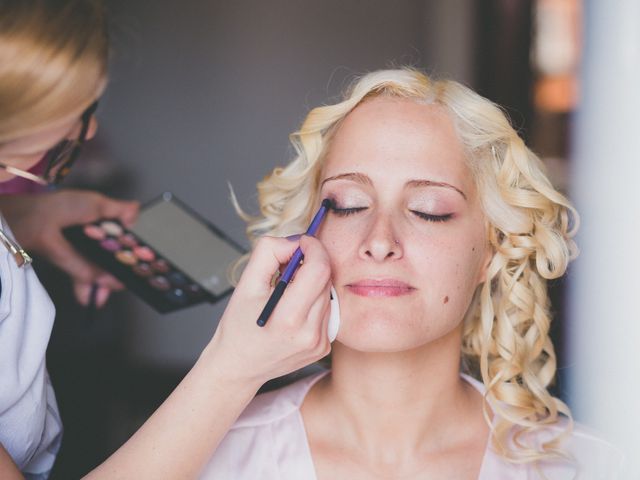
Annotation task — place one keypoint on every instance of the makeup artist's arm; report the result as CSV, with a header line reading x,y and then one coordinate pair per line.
x,y
8,469
180,437
37,221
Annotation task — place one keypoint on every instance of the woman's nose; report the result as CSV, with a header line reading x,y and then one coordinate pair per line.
x,y
382,242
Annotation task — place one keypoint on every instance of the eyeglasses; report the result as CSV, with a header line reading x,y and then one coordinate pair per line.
x,y
60,158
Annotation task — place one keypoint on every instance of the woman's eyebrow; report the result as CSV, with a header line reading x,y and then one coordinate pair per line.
x,y
365,180
355,177
432,183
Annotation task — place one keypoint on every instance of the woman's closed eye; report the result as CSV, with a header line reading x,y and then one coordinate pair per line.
x,y
432,218
343,212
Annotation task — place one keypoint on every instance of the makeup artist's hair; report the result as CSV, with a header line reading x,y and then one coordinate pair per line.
x,y
530,225
53,62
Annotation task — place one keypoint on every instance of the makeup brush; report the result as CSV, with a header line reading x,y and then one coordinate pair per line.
x,y
293,264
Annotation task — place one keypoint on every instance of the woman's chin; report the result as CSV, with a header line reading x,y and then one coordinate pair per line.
x,y
390,330
375,333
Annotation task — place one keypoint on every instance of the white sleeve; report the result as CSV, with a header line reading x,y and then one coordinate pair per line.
x,y
30,426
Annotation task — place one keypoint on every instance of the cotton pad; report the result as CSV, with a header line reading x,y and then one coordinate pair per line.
x,y
334,317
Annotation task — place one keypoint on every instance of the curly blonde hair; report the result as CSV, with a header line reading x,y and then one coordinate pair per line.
x,y
530,225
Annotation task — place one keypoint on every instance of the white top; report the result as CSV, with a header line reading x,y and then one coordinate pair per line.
x,y
269,442
30,426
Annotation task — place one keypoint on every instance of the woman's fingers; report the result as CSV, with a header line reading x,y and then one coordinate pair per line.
x,y
296,333
268,254
310,282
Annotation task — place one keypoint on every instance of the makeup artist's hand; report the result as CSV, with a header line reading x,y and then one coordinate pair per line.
x,y
37,221
296,333
8,469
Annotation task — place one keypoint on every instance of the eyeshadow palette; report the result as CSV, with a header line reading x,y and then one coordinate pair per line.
x,y
171,257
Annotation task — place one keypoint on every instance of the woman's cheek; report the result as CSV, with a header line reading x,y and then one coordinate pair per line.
x,y
469,264
453,265
341,232
337,241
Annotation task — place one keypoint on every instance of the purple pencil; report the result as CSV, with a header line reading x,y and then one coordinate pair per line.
x,y
292,266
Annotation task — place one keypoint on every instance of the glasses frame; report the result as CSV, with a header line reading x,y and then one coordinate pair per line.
x,y
18,253
59,158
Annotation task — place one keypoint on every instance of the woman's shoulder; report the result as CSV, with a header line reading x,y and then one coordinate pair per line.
x,y
273,406
268,440
590,454
586,437
588,447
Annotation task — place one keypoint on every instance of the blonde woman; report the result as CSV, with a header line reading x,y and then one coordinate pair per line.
x,y
53,57
444,233
52,70
53,61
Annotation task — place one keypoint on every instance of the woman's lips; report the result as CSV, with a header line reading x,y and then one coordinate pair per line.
x,y
380,288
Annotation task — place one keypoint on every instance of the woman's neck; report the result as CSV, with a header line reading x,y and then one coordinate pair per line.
x,y
394,406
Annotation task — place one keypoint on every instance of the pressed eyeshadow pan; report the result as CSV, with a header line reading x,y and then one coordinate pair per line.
x,y
177,278
178,295
160,282
95,232
126,257
128,240
112,228
110,244
144,253
142,269
160,266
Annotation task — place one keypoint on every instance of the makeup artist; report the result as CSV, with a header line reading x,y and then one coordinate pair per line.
x,y
52,71
53,58
35,113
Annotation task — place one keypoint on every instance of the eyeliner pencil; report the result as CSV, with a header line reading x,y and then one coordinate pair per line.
x,y
292,266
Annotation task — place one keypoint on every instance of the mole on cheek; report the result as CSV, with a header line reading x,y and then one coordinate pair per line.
x,y
446,299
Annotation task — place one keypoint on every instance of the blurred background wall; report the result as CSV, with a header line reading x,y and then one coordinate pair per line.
x,y
603,332
204,93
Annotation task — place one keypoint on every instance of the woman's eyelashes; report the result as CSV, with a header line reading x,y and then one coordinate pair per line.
x,y
346,211
343,212
432,218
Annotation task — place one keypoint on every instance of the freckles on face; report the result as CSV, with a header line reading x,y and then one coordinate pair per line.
x,y
406,240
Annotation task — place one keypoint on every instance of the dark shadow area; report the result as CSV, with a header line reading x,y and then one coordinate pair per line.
x,y
103,397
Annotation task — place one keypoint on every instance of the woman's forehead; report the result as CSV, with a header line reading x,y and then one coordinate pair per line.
x,y
389,137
